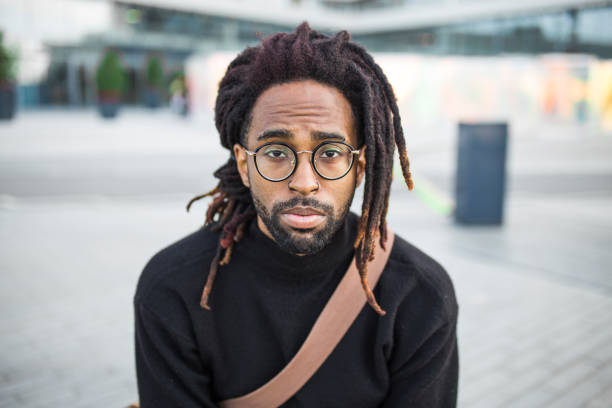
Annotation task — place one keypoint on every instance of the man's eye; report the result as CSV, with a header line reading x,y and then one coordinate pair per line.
x,y
330,154
276,154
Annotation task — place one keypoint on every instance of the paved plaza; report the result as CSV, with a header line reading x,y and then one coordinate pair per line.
x,y
84,203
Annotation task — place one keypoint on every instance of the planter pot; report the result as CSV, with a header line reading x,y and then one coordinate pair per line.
x,y
109,104
8,101
152,98
108,110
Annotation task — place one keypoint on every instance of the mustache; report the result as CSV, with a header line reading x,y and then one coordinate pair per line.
x,y
302,202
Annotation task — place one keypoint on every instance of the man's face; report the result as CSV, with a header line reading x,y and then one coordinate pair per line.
x,y
303,212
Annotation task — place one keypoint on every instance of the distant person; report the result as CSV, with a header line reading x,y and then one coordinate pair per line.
x,y
178,95
305,116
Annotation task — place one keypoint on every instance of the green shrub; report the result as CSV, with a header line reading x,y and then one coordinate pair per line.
x,y
7,64
110,77
155,73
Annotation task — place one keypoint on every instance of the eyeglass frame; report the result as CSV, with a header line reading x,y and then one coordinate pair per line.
x,y
295,152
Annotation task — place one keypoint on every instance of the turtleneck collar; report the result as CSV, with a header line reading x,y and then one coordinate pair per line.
x,y
269,257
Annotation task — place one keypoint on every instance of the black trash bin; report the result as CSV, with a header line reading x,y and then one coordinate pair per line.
x,y
481,173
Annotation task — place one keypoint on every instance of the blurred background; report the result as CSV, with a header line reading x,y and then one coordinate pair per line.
x,y
106,131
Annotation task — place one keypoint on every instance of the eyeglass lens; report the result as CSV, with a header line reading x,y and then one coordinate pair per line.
x,y
277,161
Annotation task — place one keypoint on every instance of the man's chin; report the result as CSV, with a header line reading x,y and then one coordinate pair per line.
x,y
300,241
304,246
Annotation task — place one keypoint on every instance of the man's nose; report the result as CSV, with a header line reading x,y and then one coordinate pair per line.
x,y
304,178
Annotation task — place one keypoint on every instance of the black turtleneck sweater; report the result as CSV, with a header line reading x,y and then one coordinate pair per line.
x,y
264,303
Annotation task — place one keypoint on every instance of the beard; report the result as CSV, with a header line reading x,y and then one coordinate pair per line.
x,y
301,241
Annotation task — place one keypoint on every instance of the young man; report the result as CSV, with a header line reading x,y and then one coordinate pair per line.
x,y
306,117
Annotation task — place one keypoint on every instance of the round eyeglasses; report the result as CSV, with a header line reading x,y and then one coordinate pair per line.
x,y
277,161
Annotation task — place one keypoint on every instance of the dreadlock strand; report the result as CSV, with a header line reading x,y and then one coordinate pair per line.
x,y
405,162
239,232
383,226
196,198
227,255
400,141
370,295
212,272
379,197
367,195
215,207
227,212
228,238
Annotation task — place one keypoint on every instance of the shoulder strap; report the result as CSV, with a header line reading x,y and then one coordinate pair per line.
x,y
338,315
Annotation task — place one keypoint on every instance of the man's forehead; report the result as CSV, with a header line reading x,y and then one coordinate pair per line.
x,y
304,97
283,109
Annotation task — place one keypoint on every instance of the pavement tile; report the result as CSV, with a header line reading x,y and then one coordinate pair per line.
x,y
601,400
578,395
482,388
534,398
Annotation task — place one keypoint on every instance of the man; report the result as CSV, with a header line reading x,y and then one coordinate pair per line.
x,y
306,117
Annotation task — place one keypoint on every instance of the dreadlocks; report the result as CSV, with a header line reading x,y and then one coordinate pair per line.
x,y
335,61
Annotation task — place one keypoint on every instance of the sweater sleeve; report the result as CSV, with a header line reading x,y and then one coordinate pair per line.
x,y
424,363
429,378
169,369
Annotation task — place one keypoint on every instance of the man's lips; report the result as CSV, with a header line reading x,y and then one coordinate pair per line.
x,y
302,217
302,211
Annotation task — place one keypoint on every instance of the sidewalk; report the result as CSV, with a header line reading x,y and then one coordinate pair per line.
x,y
535,296
531,332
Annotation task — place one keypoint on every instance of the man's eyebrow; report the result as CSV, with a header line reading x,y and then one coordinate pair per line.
x,y
328,135
269,134
285,134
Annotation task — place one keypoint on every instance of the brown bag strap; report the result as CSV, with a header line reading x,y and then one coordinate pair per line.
x,y
338,315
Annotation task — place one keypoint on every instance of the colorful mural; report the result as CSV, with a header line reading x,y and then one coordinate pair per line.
x,y
563,87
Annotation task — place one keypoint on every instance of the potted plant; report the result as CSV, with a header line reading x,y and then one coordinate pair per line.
x,y
155,82
8,99
110,81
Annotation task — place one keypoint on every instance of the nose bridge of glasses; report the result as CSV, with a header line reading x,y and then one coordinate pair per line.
x,y
296,163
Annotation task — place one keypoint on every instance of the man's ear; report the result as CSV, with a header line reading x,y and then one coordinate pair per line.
x,y
241,163
361,163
